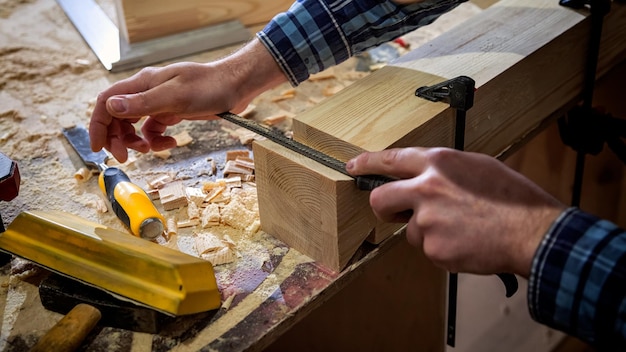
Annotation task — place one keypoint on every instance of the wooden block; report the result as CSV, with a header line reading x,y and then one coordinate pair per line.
x,y
315,209
140,20
344,130
173,195
528,62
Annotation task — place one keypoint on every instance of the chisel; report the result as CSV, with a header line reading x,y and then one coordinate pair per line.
x,y
130,202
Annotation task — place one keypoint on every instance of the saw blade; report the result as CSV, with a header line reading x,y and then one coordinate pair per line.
x,y
368,182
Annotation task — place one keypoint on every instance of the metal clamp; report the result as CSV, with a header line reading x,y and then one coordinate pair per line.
x,y
459,94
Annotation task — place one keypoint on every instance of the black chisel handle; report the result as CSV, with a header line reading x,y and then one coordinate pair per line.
x,y
369,182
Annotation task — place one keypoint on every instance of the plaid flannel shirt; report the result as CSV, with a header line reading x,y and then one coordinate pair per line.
x,y
578,280
316,34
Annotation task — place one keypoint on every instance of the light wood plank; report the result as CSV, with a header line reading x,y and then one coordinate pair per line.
x,y
149,19
523,73
326,220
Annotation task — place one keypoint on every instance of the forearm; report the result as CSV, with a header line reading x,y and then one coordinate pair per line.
x,y
578,280
313,35
253,69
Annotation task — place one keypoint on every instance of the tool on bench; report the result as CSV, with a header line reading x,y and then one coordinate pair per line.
x,y
130,202
62,294
85,307
144,272
459,94
367,182
142,284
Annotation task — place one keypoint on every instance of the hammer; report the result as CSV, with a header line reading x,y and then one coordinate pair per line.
x,y
87,306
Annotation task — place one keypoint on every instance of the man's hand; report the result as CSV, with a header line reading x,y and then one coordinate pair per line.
x,y
469,212
181,91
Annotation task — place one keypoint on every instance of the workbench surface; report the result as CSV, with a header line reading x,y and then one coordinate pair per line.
x,y
49,79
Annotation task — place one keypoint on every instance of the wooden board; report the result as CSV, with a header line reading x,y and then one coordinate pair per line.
x,y
147,19
523,73
528,62
328,214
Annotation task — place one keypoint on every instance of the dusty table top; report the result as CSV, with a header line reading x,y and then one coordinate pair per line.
x,y
49,79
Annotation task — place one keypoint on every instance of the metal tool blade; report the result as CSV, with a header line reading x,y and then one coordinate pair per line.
x,y
365,182
281,139
78,137
117,54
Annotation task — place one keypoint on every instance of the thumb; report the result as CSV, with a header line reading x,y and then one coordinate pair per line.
x,y
118,105
138,105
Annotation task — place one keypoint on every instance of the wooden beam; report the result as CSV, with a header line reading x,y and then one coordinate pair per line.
x,y
317,219
140,20
528,62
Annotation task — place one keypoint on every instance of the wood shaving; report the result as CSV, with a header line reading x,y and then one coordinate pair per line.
x,y
234,154
236,215
327,74
283,97
245,162
187,223
274,119
214,193
182,139
210,215
163,154
210,247
331,90
193,211
232,168
228,301
248,111
171,227
173,195
195,195
83,174
159,181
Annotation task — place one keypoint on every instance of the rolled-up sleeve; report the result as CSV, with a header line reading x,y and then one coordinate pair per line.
x,y
578,280
316,34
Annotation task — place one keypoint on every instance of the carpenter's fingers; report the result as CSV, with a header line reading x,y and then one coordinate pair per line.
x,y
120,136
398,163
395,201
104,119
156,100
413,234
153,129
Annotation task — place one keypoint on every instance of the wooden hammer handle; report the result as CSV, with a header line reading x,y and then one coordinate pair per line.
x,y
68,334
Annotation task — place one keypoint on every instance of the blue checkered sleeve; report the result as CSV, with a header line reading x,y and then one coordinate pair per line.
x,y
316,34
578,280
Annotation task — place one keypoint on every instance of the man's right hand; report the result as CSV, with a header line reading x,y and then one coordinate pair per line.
x,y
468,211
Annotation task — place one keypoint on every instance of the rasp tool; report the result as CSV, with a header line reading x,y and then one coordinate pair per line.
x,y
366,182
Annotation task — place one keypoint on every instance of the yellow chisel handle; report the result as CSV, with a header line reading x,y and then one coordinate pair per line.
x,y
131,204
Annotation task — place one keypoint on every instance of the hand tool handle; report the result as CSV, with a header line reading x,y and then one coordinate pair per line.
x,y
369,182
68,334
131,204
